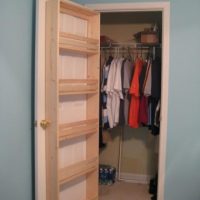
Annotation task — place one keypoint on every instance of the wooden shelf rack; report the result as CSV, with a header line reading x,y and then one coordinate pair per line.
x,y
79,169
72,46
78,44
77,86
77,129
73,9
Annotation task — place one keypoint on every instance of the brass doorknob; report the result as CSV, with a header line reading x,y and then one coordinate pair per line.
x,y
44,124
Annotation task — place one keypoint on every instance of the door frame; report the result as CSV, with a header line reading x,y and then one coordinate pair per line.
x,y
40,160
40,168
164,7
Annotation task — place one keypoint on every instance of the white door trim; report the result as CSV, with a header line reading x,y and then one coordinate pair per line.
x,y
40,164
165,8
40,168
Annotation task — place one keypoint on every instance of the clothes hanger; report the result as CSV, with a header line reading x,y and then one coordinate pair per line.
x,y
118,52
129,54
141,53
118,55
136,57
114,52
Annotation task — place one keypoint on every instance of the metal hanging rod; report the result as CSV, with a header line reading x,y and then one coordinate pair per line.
x,y
113,45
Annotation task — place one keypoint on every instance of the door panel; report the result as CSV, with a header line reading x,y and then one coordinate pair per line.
x,y
72,101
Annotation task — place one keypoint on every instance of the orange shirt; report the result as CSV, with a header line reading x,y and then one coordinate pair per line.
x,y
135,95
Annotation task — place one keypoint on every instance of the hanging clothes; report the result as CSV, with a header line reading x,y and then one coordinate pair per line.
x,y
130,93
143,77
104,78
143,110
126,74
135,95
156,78
101,125
157,115
114,91
155,94
111,95
121,109
148,79
118,90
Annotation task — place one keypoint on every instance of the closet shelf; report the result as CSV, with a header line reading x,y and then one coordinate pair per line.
x,y
78,86
77,129
76,10
78,44
77,170
79,38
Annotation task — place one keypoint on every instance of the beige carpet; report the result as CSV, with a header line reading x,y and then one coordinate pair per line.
x,y
124,191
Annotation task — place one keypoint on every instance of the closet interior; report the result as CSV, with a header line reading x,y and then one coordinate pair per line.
x,y
129,130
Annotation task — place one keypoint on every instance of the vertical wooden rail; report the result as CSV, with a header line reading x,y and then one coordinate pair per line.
x,y
51,102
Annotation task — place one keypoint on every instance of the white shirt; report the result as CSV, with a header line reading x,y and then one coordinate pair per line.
x,y
111,96
114,91
118,90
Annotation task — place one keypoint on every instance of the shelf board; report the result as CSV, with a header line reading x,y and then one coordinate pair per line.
x,y
93,198
76,10
78,44
78,86
77,129
77,170
78,37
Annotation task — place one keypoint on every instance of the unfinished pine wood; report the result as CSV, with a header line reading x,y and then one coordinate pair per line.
x,y
79,123
85,46
77,129
76,10
93,198
79,169
72,85
79,86
92,180
92,148
93,28
66,43
51,104
78,27
79,38
77,189
79,44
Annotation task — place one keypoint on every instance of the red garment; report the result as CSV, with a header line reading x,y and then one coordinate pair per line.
x,y
143,111
135,95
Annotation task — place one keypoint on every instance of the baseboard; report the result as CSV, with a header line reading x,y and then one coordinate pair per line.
x,y
135,178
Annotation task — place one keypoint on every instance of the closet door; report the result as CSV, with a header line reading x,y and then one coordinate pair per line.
x,y
72,101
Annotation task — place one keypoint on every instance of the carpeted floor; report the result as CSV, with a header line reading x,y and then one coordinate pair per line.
x,y
124,191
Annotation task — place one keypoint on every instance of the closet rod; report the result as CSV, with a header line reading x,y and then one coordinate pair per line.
x,y
125,48
130,45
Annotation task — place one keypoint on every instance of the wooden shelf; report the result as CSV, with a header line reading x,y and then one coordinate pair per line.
x,y
77,129
79,169
78,44
77,86
79,38
93,198
76,10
